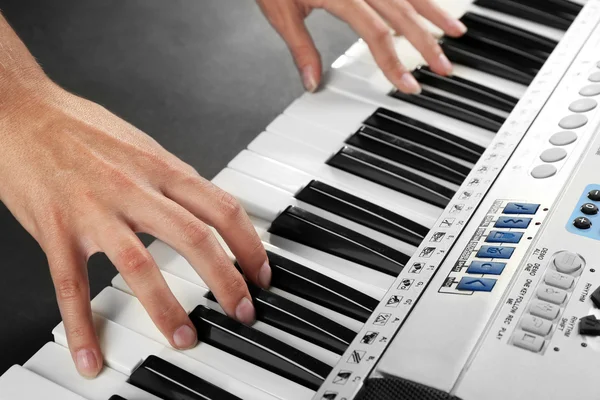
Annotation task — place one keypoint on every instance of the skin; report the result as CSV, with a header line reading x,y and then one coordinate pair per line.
x,y
81,180
372,20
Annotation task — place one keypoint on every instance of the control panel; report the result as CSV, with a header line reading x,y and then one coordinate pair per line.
x,y
584,220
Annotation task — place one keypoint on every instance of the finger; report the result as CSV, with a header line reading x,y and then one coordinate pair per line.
x,y
193,239
288,21
139,270
433,12
376,33
69,275
405,20
221,210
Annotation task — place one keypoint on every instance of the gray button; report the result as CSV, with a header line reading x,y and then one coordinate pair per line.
x,y
598,65
544,309
536,325
552,294
595,77
543,171
590,90
583,105
573,121
558,280
553,155
563,138
528,341
567,262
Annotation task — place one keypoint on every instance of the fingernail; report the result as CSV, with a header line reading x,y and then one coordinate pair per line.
x,y
264,276
458,26
410,83
87,364
308,77
245,312
184,337
445,63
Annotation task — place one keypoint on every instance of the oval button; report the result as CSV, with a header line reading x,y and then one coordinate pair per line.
x,y
567,262
543,171
583,105
553,155
595,77
590,90
563,138
573,121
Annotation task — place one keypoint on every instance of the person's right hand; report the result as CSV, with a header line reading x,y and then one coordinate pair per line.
x,y
81,181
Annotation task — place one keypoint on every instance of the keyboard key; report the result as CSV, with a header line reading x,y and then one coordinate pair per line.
x,y
467,89
536,14
504,237
19,383
521,208
290,317
253,346
476,284
168,381
376,170
316,232
512,222
356,209
453,108
486,267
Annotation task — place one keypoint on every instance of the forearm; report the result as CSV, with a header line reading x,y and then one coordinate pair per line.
x,y
20,74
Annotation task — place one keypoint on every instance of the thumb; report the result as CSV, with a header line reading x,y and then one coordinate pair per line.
x,y
288,21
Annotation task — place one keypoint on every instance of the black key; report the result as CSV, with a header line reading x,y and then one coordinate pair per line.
x,y
453,108
409,154
485,61
418,132
467,89
117,397
505,53
362,212
526,11
167,381
320,289
297,320
257,348
566,8
311,230
480,25
361,164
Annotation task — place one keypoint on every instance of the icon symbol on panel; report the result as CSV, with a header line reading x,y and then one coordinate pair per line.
x,y
342,377
382,319
437,236
329,396
356,356
369,338
405,284
393,301
427,252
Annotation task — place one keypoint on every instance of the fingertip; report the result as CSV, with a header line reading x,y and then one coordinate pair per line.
x,y
444,66
408,84
309,78
245,312
88,363
455,27
185,337
264,275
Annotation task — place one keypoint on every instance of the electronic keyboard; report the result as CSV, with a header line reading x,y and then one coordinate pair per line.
x,y
434,246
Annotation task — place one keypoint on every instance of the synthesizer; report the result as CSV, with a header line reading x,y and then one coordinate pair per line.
x,y
443,245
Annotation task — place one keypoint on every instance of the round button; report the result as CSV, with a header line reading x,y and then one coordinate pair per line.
x,y
553,155
567,262
563,138
590,90
589,209
543,171
573,121
583,105
595,77
594,195
582,223
598,65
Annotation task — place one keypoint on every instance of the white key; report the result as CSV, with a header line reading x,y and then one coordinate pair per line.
x,y
54,363
293,180
124,333
19,383
190,296
374,93
328,141
313,161
267,202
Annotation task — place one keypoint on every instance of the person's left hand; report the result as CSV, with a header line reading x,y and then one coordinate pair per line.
x,y
372,20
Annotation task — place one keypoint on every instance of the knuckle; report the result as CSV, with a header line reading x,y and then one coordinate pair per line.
x,y
196,233
229,207
68,289
167,312
77,332
232,284
380,34
134,260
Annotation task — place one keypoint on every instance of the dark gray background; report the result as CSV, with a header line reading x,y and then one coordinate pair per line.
x,y
203,77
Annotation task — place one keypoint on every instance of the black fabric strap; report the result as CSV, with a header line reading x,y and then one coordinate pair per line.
x,y
400,389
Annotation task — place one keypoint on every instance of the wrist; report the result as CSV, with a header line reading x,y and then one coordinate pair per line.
x,y
22,87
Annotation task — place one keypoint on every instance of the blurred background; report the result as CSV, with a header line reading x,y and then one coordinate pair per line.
x,y
203,77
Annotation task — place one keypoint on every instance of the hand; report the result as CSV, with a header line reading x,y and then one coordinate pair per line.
x,y
372,20
81,180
